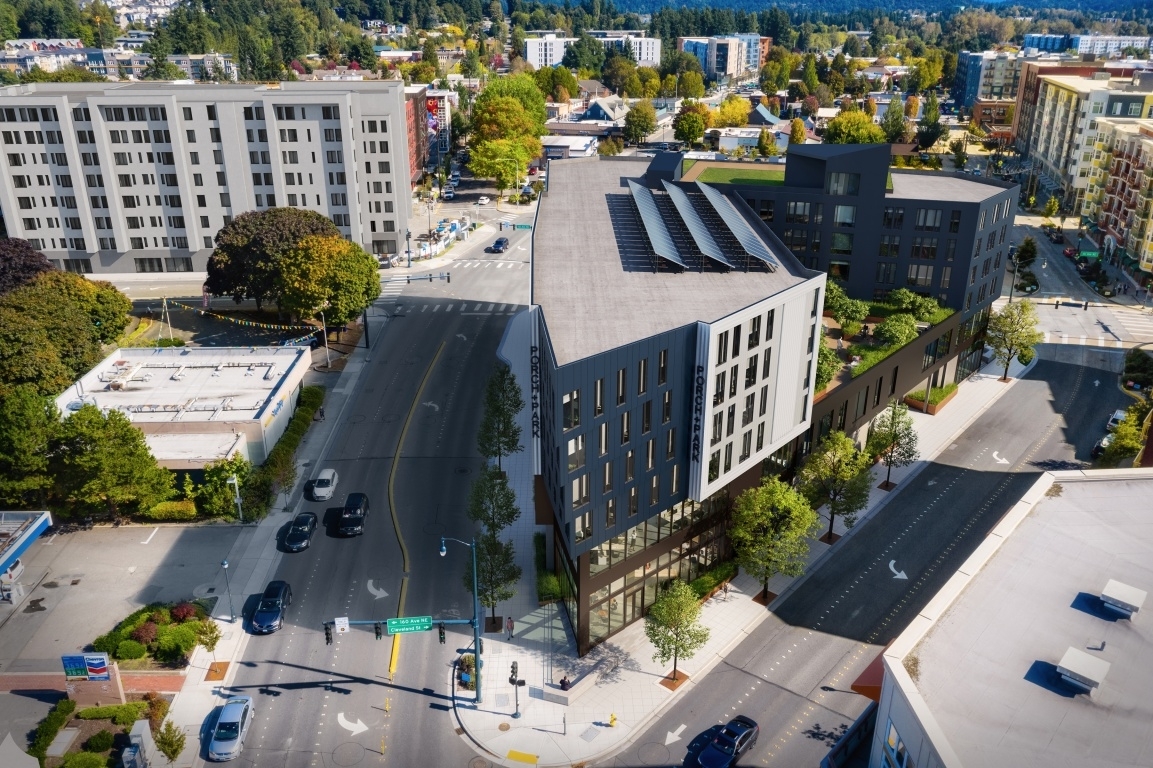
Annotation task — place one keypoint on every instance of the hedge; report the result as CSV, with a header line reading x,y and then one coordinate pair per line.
x,y
173,510
713,578
279,469
547,583
120,714
57,718
84,760
936,396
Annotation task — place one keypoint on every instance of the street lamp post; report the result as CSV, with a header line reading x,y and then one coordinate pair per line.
x,y
228,589
235,483
475,605
408,245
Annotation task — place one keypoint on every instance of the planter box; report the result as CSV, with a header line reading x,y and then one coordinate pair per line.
x,y
919,405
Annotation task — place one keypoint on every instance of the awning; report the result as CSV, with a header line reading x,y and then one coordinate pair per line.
x,y
868,683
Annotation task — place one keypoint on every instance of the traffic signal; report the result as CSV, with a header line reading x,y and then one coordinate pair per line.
x,y
512,677
328,634
442,633
481,649
379,632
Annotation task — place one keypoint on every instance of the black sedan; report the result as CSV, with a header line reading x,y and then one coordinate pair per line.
x,y
299,535
734,740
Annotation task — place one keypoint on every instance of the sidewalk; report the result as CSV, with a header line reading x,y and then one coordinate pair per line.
x,y
629,683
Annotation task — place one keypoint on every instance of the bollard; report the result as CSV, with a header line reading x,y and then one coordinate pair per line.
x,y
613,720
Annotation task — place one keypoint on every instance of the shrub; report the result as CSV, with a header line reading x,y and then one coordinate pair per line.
x,y
174,642
184,612
108,643
713,578
101,741
897,330
173,510
547,587
157,710
160,616
57,718
145,634
170,342
1138,368
132,649
120,714
936,396
84,760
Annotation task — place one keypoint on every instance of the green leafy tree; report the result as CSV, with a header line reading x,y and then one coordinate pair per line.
x,y
1026,253
215,496
673,624
524,89
871,107
610,147
1126,437
326,273
733,112
692,85
470,65
853,127
809,73
770,529
640,121
688,127
106,307
68,74
1013,333
101,463
893,439
893,122
617,72
845,311
69,327
797,133
28,420
496,571
828,365
837,474
921,307
501,117
170,740
912,106
897,330
586,53
28,355
929,128
766,146
499,434
505,161
492,502
209,635
960,154
1052,205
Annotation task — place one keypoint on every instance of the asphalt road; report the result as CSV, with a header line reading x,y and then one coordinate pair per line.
x,y
792,674
335,705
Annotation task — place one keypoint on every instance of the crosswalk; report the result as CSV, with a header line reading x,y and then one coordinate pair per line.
x,y
490,264
1139,324
464,308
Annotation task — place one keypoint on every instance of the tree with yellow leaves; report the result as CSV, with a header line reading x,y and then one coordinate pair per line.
x,y
330,274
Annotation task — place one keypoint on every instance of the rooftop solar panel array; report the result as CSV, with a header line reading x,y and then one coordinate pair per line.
x,y
701,235
739,226
654,224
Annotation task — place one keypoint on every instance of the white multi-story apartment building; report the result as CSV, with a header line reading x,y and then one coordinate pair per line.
x,y
546,50
646,50
139,177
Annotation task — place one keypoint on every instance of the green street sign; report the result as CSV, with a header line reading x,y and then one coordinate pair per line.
x,y
522,226
409,624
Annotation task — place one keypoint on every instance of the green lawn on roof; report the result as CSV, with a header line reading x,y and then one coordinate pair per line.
x,y
771,177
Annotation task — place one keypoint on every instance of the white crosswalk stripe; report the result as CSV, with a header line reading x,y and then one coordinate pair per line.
x,y
491,264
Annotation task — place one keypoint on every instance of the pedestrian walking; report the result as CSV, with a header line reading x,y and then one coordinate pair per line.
x,y
509,625
726,590
321,412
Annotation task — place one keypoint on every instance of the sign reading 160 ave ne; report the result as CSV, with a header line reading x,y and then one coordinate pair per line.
x,y
409,624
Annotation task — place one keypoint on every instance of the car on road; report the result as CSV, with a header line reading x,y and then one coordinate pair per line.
x,y
449,194
1057,236
299,536
1114,420
353,514
231,727
483,200
270,611
1100,446
731,744
500,245
324,485
1070,252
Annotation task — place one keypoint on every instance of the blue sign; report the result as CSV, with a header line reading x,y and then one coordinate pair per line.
x,y
90,666
74,668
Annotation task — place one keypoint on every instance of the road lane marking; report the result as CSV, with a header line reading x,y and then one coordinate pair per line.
x,y
154,530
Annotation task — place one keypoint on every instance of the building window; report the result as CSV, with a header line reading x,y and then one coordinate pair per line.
x,y
797,213
630,466
733,380
719,392
924,248
928,219
844,215
670,443
607,477
722,347
718,427
890,246
842,244
654,490
643,376
621,382
576,453
580,490
149,265
646,417
603,442
843,183
571,407
626,421
746,446
751,371
946,276
728,457
714,465
920,275
582,527
887,273
747,413
599,397
894,218
662,368
667,407
862,403
955,222
731,420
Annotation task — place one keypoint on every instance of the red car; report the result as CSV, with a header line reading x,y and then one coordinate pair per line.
x,y
1070,252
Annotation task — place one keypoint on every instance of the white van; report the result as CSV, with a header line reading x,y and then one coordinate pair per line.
x,y
12,573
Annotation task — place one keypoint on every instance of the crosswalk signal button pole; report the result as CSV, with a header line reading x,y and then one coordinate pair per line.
x,y
379,633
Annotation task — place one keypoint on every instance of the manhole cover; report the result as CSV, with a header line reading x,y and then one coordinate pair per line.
x,y
504,726
462,470
50,585
348,753
653,753
478,762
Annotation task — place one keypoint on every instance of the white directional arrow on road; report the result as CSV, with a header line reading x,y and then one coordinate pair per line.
x,y
896,574
376,593
675,735
1096,382
932,482
357,727
998,459
432,405
462,337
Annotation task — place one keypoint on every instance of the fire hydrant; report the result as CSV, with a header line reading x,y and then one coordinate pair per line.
x,y
612,720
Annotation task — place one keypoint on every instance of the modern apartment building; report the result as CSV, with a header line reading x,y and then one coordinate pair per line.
x,y
1100,45
721,58
756,50
139,177
1120,186
986,76
548,49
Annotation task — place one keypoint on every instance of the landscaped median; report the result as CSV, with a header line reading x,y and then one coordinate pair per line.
x,y
101,732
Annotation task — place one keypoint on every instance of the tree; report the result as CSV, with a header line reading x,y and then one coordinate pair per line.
x,y
893,439
897,330
921,307
20,263
28,420
1052,205
326,273
828,366
673,625
470,65
797,132
585,53
810,105
960,156
871,107
499,434
1026,253
248,250
640,121
501,117
837,474
770,529
766,145
101,463
28,355
929,128
809,73
496,571
692,85
610,147
1126,437
209,635
492,502
215,496
160,68
912,106
523,88
853,127
733,112
170,741
688,127
893,123
1013,333
617,72
70,329
106,307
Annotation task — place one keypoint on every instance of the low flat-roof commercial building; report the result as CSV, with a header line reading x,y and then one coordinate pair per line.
x,y
1038,651
196,405
139,177
675,351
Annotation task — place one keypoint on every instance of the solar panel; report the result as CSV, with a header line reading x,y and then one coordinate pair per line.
x,y
705,242
659,235
739,226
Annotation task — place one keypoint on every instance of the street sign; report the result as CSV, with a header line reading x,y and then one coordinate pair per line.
x,y
341,624
522,226
409,624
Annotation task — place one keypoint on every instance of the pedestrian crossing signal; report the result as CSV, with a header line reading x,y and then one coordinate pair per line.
x,y
442,633
328,634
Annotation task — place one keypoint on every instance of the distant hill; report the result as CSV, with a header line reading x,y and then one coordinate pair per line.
x,y
809,8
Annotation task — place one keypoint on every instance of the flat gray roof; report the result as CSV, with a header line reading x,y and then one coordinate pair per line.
x,y
934,185
596,297
197,90
986,667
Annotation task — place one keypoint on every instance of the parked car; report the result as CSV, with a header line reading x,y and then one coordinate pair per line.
x,y
231,727
1117,417
1057,236
1070,252
449,194
499,246
1100,446
353,515
532,170
731,744
270,612
324,485
483,200
299,536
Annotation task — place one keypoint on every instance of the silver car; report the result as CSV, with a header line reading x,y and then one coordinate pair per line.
x,y
324,485
231,728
